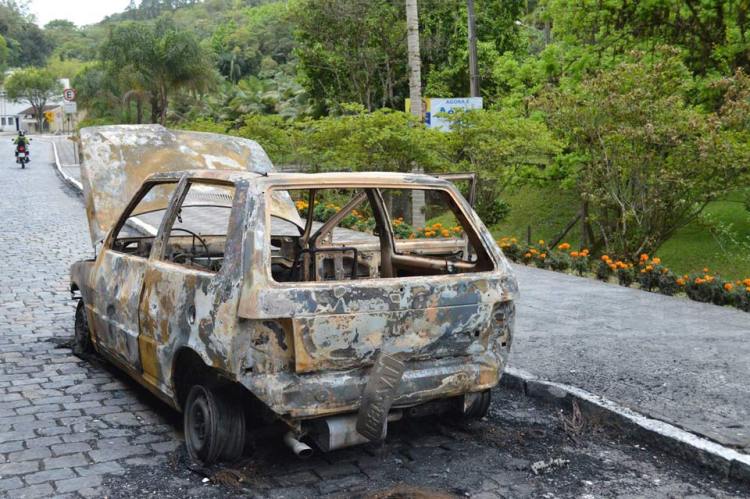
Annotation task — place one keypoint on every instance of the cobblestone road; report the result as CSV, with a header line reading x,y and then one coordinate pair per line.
x,y
64,423
72,428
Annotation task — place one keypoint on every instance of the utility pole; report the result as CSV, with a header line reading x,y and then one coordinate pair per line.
x,y
473,64
415,63
416,214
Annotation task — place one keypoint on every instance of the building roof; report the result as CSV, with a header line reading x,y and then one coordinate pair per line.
x,y
29,111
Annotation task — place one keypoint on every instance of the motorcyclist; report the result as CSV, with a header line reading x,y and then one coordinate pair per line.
x,y
22,140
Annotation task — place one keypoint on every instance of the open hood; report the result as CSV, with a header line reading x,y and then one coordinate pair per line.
x,y
117,159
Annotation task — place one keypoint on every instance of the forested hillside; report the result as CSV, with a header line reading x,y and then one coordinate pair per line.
x,y
631,117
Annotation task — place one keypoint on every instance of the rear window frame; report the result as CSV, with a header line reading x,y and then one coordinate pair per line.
x,y
451,190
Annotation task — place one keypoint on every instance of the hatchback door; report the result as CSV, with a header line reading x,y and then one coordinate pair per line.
x,y
415,319
416,293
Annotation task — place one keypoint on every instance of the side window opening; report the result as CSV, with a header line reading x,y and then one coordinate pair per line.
x,y
369,233
198,234
135,236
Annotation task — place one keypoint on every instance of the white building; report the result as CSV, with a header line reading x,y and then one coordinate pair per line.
x,y
13,115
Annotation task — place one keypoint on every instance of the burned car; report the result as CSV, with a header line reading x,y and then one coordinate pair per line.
x,y
328,303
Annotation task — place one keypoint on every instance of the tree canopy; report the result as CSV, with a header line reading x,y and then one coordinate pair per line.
x,y
35,86
638,109
154,60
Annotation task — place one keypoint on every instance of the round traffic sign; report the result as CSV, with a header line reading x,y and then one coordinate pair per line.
x,y
69,94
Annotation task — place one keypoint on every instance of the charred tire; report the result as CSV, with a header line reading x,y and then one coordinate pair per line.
x,y
235,426
82,335
478,409
214,425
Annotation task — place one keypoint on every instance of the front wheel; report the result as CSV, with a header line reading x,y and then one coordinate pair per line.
x,y
477,405
214,425
82,336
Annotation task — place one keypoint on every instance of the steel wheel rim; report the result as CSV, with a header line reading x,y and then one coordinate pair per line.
x,y
198,423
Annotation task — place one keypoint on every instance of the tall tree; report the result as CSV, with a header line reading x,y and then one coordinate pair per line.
x,y
642,159
412,42
352,51
157,59
36,86
713,34
27,42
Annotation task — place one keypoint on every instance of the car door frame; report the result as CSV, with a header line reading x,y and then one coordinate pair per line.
x,y
189,319
116,301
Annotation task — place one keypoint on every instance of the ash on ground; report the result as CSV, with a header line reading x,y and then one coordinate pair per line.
x,y
521,449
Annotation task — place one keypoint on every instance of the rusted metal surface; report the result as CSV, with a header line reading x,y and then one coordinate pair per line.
x,y
305,348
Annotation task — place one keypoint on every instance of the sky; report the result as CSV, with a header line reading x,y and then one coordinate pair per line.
x,y
79,11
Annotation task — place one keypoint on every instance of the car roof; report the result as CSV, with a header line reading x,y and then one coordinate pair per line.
x,y
321,180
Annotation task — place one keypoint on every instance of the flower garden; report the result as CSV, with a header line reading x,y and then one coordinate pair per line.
x,y
362,221
647,273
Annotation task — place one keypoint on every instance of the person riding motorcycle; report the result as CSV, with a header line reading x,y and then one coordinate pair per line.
x,y
22,140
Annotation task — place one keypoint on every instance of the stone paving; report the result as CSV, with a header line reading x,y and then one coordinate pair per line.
x,y
64,422
71,427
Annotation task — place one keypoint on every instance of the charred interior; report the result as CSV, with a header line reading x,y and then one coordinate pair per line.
x,y
197,230
367,233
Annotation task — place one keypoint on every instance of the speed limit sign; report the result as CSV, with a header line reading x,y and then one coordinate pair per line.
x,y
69,94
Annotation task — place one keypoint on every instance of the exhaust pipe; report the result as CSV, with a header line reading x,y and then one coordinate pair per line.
x,y
302,450
338,432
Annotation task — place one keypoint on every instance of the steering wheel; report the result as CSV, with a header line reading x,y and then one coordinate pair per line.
x,y
195,236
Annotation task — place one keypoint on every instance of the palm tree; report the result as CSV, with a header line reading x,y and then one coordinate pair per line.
x,y
157,59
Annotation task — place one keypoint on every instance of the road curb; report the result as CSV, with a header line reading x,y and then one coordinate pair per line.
x,y
689,446
67,178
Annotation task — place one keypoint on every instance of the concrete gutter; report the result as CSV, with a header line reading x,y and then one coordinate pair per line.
x,y
727,461
67,178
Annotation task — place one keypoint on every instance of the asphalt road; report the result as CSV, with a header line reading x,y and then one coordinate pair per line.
x,y
674,359
71,427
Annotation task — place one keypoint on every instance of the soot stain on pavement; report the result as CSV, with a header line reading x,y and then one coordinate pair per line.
x,y
522,449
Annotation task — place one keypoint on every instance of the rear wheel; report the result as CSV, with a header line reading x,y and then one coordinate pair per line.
x,y
214,425
82,335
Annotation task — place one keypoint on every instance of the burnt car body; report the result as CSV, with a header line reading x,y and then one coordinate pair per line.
x,y
215,291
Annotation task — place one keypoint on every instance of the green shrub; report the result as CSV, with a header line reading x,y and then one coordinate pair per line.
x,y
648,278
667,283
511,249
205,125
740,297
401,230
626,276
604,270
706,289
581,261
491,208
559,261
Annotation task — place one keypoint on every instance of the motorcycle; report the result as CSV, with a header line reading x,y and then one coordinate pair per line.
x,y
22,154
